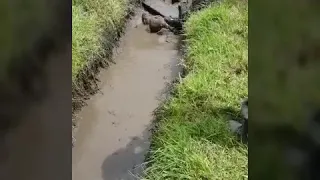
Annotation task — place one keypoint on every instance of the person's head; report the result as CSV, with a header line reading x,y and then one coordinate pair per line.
x,y
144,17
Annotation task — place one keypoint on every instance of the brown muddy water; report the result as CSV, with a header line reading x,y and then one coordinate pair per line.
x,y
113,135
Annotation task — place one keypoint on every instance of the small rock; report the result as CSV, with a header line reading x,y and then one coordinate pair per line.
x,y
73,141
235,126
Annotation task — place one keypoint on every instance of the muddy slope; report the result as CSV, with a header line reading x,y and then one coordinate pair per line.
x,y
86,83
113,136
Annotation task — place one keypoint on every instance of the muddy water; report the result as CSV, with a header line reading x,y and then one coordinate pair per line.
x,y
114,128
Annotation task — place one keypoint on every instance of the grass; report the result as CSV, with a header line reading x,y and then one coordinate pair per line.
x,y
192,140
96,27
91,20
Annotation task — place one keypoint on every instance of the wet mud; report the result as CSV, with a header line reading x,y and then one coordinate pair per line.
x,y
113,134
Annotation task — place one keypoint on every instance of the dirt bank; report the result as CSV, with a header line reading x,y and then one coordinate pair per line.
x,y
95,36
113,135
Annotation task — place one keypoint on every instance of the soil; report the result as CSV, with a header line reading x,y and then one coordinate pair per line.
x,y
114,127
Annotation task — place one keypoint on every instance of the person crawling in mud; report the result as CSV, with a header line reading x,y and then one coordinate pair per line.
x,y
155,23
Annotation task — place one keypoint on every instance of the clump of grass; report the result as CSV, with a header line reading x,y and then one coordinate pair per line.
x,y
91,20
192,140
85,38
96,27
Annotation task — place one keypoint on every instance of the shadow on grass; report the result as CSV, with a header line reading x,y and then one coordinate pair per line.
x,y
180,142
214,127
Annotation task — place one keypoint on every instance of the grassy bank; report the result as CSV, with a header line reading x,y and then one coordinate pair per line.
x,y
192,140
96,26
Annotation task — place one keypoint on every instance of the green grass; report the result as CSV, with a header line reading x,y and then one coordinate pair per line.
x,y
192,140
90,20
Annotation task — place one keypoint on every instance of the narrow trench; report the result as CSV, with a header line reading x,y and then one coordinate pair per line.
x,y
113,135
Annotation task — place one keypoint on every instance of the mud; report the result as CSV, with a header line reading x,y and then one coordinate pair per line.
x,y
113,134
86,83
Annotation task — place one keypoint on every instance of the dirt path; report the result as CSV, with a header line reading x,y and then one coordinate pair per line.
x,y
114,128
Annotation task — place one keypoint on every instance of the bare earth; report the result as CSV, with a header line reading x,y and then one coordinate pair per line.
x,y
114,128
